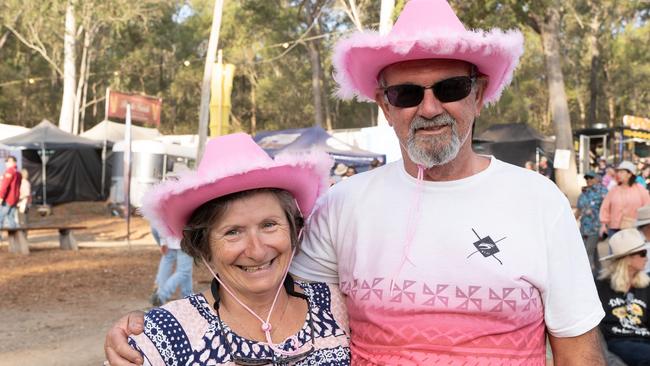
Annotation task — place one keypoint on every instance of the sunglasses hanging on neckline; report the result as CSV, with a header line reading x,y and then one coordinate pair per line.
x,y
446,91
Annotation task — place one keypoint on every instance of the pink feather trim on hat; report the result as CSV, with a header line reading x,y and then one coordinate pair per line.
x,y
238,164
426,29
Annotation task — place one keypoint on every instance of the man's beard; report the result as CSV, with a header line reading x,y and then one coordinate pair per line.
x,y
433,150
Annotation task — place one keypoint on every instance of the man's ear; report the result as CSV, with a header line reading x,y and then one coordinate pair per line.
x,y
481,85
383,105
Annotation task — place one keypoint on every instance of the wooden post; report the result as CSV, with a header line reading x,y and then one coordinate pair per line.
x,y
67,240
18,242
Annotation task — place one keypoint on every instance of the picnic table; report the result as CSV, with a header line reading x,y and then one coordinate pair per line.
x,y
18,237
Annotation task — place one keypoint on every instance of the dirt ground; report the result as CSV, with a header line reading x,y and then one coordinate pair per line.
x,y
56,306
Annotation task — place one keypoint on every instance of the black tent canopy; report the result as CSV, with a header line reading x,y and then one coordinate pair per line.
x,y
72,165
514,143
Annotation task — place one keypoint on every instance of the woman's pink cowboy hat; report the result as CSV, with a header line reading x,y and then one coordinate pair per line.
x,y
426,29
230,164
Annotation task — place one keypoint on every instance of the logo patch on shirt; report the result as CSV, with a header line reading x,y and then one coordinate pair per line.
x,y
486,246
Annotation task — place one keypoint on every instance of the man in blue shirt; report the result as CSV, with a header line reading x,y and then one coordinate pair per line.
x,y
589,202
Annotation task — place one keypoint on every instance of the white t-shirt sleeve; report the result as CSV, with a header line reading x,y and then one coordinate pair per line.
x,y
571,303
317,259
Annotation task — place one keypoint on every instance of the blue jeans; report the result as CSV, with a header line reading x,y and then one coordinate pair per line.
x,y
168,280
633,351
8,212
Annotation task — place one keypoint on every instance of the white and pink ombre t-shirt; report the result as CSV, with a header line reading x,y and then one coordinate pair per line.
x,y
495,261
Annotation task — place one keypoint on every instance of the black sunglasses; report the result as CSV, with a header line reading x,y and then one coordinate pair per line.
x,y
446,91
643,253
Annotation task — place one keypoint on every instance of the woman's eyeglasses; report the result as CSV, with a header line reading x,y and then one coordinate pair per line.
x,y
446,91
643,253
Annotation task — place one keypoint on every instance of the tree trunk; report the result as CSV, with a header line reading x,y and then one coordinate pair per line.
x,y
69,70
253,83
566,179
81,81
84,96
324,86
594,50
314,59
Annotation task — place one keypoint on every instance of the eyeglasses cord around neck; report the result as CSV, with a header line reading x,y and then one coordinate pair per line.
x,y
266,325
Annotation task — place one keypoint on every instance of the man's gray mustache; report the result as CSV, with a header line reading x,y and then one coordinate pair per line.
x,y
435,122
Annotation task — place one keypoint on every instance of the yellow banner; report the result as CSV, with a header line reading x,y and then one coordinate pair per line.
x,y
636,134
637,123
220,91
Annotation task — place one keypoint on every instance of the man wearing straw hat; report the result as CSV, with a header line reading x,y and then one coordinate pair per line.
x,y
446,257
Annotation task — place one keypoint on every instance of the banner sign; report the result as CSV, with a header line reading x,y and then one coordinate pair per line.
x,y
636,134
637,123
143,108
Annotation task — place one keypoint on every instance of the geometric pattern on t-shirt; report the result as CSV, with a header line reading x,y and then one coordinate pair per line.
x,y
446,322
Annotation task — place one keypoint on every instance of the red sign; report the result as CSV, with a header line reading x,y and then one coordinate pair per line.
x,y
144,109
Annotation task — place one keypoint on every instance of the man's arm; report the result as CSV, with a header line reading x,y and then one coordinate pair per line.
x,y
116,346
584,349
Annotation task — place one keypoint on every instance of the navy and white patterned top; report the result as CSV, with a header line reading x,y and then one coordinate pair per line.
x,y
189,332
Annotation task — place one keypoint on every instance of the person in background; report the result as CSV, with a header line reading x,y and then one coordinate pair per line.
x,y
643,225
618,210
529,165
645,176
9,192
601,167
337,173
641,179
375,163
589,203
350,172
625,295
25,199
609,179
546,168
174,270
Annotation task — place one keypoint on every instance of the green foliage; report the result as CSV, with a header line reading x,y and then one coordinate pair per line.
x,y
148,47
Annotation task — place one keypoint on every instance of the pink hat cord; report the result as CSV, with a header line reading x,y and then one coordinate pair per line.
x,y
414,213
266,325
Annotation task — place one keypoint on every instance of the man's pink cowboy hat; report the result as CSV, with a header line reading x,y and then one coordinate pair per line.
x,y
230,164
426,29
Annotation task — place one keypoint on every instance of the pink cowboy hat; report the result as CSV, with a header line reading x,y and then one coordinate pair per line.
x,y
426,29
235,163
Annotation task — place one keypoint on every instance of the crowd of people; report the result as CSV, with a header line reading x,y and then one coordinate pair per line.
x,y
615,205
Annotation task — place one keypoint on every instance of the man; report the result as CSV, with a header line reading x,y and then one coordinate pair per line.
x,y
589,203
546,169
9,192
643,225
446,257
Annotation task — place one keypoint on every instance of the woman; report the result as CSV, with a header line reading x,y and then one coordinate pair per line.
x,y
239,215
618,210
625,295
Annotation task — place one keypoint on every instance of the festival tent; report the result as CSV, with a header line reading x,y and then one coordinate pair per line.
x,y
7,131
114,132
108,133
301,139
514,143
72,169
